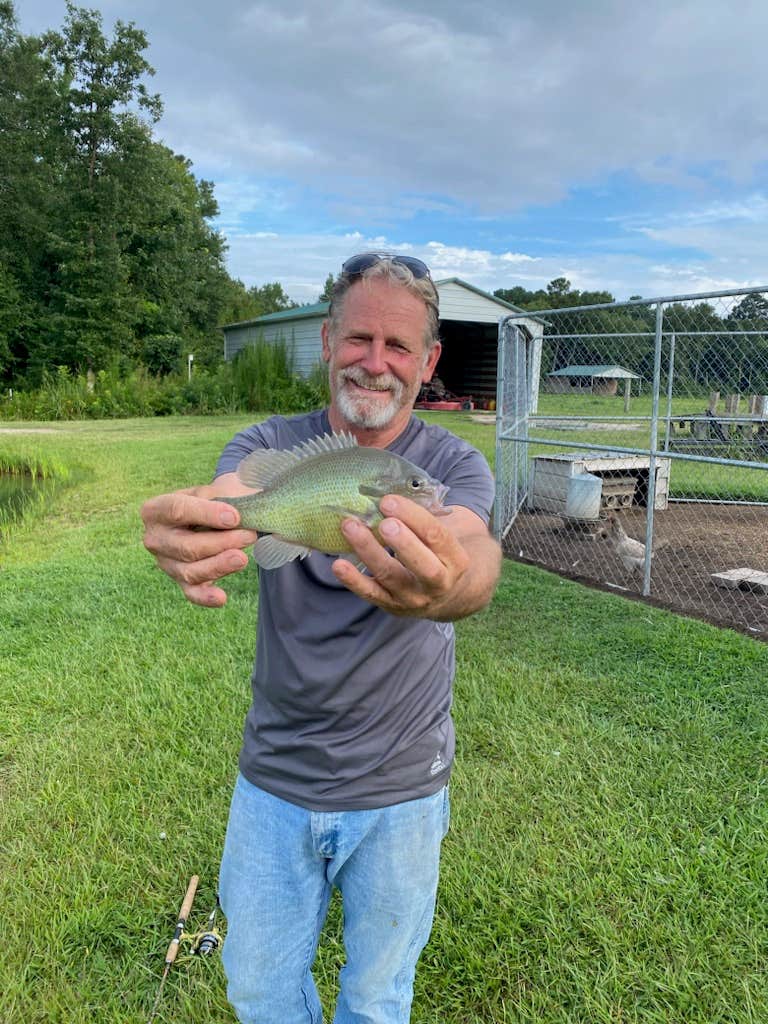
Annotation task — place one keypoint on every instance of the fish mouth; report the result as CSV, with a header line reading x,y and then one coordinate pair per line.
x,y
436,506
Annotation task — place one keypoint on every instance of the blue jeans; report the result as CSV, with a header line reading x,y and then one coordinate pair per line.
x,y
279,865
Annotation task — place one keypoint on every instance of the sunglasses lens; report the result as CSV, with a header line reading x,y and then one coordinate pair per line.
x,y
359,264
416,267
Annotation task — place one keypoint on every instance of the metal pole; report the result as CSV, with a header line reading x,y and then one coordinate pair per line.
x,y
498,525
671,373
651,500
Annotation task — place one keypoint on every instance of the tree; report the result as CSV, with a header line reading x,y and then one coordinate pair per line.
x,y
31,107
558,295
106,248
752,307
327,292
270,298
103,139
559,287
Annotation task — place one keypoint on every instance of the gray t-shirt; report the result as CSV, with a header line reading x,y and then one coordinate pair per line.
x,y
351,705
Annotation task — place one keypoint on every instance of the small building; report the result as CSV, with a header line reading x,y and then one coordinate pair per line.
x,y
469,319
597,380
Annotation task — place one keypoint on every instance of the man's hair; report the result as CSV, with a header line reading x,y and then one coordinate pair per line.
x,y
395,273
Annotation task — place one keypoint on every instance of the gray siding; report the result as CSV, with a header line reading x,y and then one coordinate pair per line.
x,y
303,335
457,303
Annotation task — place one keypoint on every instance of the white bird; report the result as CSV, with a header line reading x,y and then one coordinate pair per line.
x,y
630,551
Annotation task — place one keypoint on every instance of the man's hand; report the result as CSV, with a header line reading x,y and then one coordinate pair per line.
x,y
195,540
443,568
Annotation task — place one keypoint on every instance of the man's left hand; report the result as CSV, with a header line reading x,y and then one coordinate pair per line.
x,y
433,571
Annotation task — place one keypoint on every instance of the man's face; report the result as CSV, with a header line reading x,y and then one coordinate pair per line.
x,y
377,356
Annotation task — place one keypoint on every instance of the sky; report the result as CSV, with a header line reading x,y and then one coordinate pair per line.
x,y
623,146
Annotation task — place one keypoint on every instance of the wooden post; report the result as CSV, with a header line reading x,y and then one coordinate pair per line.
x,y
627,393
714,398
731,409
761,410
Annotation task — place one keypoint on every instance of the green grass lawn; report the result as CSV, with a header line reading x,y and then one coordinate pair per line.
x,y
607,860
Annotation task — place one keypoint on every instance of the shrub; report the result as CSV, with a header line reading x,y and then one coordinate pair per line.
x,y
260,379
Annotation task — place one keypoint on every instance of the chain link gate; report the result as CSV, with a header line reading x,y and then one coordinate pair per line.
x,y
632,449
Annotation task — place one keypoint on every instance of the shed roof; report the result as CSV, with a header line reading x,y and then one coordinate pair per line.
x,y
611,372
294,313
320,309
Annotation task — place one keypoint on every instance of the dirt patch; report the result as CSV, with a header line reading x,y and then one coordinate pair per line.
x,y
691,542
30,430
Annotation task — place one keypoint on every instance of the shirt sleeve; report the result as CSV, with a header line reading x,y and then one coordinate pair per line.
x,y
471,484
242,444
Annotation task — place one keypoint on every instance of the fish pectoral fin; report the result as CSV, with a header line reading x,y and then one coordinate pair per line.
x,y
368,517
270,551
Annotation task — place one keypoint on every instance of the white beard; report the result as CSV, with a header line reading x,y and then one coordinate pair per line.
x,y
370,413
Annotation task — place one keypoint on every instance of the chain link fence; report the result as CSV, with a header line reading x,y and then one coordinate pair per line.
x,y
632,449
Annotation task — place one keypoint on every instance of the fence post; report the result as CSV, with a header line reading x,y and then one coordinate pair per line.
x,y
654,451
761,410
670,377
500,476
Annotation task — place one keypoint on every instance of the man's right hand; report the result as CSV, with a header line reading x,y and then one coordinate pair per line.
x,y
196,540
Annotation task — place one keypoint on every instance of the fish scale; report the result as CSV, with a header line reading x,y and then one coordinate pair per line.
x,y
306,492
330,481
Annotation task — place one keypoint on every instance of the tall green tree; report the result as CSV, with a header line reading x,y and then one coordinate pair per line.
x,y
31,108
271,298
105,139
558,295
106,246
327,292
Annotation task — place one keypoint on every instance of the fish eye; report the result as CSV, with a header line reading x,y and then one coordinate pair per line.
x,y
415,483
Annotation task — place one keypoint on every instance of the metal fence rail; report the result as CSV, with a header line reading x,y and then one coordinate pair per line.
x,y
632,449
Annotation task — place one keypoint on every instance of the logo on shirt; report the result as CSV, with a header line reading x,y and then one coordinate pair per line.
x,y
438,765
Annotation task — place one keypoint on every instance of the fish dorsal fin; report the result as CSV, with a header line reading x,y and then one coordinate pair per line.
x,y
323,444
263,466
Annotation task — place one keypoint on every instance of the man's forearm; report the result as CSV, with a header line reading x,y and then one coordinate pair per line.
x,y
476,586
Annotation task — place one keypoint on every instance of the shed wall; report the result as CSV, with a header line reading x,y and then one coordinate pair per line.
x,y
303,335
457,303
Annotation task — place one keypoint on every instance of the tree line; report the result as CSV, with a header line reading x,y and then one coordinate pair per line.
x,y
108,257
107,254
716,347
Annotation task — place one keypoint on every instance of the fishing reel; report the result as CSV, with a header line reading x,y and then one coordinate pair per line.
x,y
207,943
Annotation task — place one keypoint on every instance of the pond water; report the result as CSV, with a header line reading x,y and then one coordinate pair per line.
x,y
18,492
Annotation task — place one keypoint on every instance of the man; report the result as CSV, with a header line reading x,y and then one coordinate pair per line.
x,y
348,743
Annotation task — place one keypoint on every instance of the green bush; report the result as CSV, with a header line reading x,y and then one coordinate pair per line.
x,y
260,379
264,380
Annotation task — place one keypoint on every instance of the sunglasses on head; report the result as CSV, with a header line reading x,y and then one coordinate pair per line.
x,y
359,264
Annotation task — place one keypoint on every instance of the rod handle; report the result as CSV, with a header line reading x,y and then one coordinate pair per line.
x,y
189,896
186,907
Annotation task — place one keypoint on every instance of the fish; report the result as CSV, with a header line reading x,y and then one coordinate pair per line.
x,y
304,493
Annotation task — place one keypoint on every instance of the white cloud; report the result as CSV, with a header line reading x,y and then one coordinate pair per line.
x,y
498,108
302,263
330,129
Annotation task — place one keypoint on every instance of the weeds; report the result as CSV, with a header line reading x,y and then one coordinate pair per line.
x,y
261,378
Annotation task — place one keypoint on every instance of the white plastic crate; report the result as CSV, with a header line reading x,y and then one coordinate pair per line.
x,y
625,479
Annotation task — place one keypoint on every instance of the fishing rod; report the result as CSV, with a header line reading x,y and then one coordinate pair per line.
x,y
173,948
